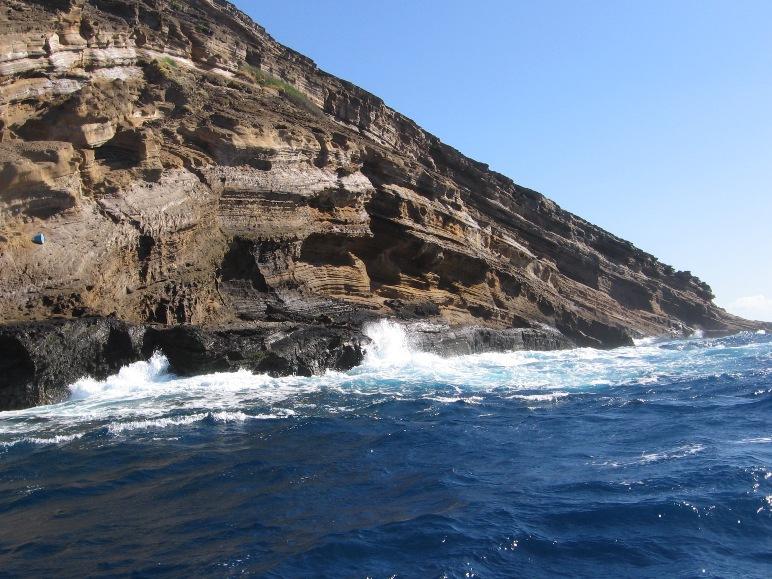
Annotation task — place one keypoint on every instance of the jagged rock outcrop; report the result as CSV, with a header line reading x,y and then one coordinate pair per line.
x,y
187,169
278,349
39,360
449,341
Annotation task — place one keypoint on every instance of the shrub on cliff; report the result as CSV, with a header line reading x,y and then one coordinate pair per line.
x,y
284,88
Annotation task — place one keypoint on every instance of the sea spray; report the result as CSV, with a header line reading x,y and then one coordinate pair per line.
x,y
388,344
131,378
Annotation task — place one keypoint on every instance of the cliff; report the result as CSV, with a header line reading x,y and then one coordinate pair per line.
x,y
186,169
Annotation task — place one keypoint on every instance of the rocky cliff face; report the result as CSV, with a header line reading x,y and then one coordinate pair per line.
x,y
187,169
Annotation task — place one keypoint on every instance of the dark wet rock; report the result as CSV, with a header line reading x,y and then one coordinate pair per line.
x,y
447,341
279,349
38,360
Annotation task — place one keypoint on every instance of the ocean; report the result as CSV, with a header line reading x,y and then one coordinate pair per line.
x,y
652,460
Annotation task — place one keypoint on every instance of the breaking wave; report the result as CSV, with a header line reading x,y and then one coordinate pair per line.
x,y
146,395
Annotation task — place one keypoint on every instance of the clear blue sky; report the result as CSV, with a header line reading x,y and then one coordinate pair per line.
x,y
652,119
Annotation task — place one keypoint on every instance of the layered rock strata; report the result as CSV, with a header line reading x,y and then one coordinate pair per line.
x,y
186,169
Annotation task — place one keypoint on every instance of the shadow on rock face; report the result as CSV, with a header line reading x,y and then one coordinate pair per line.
x,y
38,360
16,372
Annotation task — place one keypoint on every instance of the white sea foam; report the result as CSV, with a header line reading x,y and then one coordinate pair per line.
x,y
146,395
647,458
551,397
55,439
131,379
756,440
389,345
456,399
165,422
680,452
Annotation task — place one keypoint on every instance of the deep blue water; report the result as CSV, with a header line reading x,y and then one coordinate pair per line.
x,y
647,461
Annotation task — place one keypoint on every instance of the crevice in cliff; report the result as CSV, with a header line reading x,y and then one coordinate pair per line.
x,y
240,264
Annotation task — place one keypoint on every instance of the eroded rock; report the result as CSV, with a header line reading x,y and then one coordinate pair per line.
x,y
39,359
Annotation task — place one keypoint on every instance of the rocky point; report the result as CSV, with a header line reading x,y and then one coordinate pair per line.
x,y
207,192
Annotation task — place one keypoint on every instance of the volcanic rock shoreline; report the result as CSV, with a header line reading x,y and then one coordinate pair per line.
x,y
209,193
41,359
